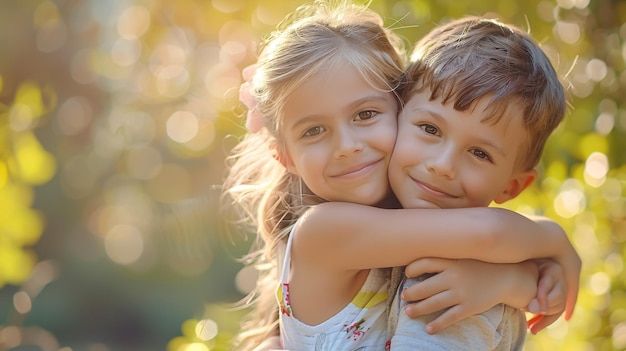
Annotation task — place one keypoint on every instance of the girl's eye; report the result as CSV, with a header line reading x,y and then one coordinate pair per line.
x,y
481,154
314,131
429,128
365,115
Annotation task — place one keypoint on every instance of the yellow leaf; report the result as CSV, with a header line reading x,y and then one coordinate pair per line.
x,y
4,174
557,170
29,95
15,196
189,328
35,165
21,226
591,143
15,265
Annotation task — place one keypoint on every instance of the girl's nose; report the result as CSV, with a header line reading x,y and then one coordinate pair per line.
x,y
347,143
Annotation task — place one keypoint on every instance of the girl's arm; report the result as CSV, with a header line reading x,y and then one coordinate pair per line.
x,y
354,237
375,237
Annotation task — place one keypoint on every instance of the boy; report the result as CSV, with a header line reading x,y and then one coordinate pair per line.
x,y
480,101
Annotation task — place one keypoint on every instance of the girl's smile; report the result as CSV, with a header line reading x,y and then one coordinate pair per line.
x,y
359,170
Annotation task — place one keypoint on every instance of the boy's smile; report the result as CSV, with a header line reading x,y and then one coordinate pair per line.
x,y
446,158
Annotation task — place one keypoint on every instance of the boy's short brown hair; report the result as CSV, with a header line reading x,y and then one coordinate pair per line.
x,y
470,58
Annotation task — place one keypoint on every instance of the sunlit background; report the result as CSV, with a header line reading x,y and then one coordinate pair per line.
x,y
114,117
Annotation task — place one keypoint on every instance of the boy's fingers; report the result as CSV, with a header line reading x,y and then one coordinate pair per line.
x,y
572,289
426,265
432,304
540,322
423,290
571,303
572,296
556,300
545,285
448,318
534,306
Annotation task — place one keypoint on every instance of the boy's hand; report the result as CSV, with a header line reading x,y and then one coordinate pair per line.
x,y
551,297
569,261
466,288
571,265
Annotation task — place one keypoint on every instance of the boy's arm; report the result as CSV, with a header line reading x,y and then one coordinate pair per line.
x,y
464,288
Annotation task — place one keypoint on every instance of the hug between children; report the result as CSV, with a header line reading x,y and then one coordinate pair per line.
x,y
368,180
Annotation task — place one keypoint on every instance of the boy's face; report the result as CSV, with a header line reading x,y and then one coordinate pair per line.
x,y
338,134
445,158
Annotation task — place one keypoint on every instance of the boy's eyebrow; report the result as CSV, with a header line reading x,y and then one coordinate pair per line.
x,y
440,119
494,146
370,98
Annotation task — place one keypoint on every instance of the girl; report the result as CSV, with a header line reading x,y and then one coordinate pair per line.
x,y
323,130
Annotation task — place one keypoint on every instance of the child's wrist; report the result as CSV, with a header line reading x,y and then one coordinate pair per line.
x,y
522,287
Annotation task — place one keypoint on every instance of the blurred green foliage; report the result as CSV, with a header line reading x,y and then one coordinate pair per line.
x,y
23,164
115,119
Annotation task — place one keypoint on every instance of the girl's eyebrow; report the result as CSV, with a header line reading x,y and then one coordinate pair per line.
x,y
370,98
305,120
375,98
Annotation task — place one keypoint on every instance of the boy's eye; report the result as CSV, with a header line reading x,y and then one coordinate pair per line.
x,y
481,154
317,130
365,115
429,128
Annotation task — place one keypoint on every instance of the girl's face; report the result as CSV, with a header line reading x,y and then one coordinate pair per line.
x,y
338,134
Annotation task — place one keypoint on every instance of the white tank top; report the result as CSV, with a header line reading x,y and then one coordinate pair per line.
x,y
361,325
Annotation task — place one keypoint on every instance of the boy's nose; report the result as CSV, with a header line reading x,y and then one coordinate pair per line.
x,y
442,163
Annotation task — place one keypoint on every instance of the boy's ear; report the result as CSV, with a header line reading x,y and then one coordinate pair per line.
x,y
281,155
517,184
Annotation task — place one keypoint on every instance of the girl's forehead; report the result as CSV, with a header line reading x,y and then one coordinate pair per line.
x,y
336,91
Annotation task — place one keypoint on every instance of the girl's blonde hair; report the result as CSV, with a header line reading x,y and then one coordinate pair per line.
x,y
268,199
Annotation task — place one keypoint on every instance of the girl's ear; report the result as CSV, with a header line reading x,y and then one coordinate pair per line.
x,y
517,184
281,155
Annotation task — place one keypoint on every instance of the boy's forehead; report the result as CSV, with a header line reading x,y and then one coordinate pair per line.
x,y
490,109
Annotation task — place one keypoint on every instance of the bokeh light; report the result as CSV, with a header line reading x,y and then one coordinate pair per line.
x,y
182,126
22,302
206,329
133,22
124,244
118,117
